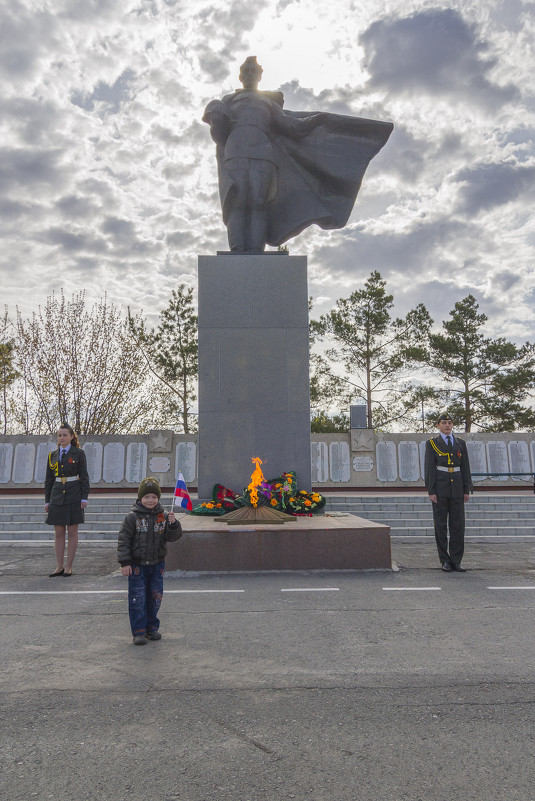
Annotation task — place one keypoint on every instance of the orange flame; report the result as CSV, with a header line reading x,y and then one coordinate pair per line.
x,y
257,478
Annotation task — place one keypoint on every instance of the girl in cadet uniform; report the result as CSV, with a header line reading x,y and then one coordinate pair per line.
x,y
66,493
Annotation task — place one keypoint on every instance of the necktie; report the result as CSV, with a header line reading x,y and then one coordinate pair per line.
x,y
63,452
450,441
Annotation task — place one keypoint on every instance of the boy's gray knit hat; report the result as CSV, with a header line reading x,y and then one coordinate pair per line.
x,y
148,485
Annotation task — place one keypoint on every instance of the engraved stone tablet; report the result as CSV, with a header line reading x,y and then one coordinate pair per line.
x,y
519,459
319,462
113,471
387,468
159,464
136,462
421,451
497,460
340,468
43,449
23,463
6,458
409,461
478,459
186,460
362,464
93,455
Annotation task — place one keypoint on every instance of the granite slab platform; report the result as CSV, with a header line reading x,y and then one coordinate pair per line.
x,y
326,542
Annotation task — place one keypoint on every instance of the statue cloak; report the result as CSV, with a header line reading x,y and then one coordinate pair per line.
x,y
318,175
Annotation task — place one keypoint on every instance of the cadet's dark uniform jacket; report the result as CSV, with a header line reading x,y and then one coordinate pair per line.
x,y
447,475
65,497
445,482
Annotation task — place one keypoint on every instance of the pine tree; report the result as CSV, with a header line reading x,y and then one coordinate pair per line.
x,y
488,379
375,350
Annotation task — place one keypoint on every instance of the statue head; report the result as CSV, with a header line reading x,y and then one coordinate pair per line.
x,y
250,73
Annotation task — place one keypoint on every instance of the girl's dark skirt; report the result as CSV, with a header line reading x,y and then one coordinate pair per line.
x,y
69,514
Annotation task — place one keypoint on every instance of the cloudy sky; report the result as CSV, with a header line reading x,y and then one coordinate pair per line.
x,y
108,177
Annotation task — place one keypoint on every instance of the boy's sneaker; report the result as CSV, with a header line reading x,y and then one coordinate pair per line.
x,y
154,635
140,639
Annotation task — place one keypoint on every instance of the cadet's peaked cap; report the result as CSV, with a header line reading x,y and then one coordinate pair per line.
x,y
444,417
147,486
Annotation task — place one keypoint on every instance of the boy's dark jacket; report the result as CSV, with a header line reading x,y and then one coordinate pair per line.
x,y
144,534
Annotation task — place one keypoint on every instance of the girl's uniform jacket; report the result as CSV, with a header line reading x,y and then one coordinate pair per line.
x,y
74,464
144,535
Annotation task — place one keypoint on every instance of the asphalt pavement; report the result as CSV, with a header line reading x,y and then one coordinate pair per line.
x,y
372,686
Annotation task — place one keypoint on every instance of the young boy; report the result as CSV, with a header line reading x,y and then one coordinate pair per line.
x,y
141,553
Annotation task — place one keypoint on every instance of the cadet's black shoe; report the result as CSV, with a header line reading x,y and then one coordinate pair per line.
x,y
459,568
446,567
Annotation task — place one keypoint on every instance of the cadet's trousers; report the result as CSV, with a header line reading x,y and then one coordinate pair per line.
x,y
449,511
145,590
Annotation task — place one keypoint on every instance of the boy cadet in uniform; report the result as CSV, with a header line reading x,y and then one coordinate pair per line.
x,y
448,483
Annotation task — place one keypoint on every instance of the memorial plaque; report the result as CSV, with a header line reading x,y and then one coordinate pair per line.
x,y
319,462
186,460
6,459
93,455
23,463
497,460
387,467
519,459
362,464
409,461
159,464
339,465
136,462
113,470
421,450
43,449
478,458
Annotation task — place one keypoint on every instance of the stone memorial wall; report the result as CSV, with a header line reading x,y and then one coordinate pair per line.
x,y
359,459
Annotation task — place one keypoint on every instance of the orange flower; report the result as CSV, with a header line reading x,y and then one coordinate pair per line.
x,y
273,501
316,497
209,505
308,503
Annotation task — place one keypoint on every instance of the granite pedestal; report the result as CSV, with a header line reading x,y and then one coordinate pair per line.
x,y
323,542
254,396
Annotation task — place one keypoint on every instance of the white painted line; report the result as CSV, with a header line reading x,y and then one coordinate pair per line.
x,y
312,589
525,587
108,592
412,589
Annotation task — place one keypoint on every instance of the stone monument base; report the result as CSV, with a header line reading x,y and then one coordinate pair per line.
x,y
307,543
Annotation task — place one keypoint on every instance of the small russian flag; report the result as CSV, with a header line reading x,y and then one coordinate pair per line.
x,y
181,492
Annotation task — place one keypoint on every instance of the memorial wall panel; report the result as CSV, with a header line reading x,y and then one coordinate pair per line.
x,y
23,463
136,462
497,460
186,460
43,449
319,460
6,460
113,470
477,455
93,454
339,461
409,461
387,467
519,460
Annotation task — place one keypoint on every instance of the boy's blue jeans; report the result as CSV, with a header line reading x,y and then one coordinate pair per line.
x,y
145,590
